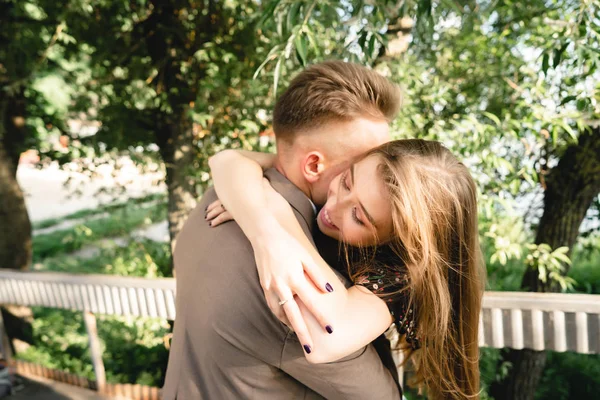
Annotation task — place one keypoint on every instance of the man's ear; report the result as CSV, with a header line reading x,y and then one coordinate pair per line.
x,y
313,166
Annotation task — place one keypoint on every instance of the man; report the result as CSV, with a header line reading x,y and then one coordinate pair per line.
x,y
227,344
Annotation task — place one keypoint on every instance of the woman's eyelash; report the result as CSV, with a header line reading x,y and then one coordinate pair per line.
x,y
344,181
354,216
358,221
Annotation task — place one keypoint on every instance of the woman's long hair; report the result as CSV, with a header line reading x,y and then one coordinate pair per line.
x,y
434,212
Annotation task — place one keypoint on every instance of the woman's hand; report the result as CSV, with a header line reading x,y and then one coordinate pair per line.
x,y
288,276
216,213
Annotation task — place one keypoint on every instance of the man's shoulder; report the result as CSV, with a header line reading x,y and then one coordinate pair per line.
x,y
199,244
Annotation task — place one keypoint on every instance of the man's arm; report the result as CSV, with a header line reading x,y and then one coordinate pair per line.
x,y
358,376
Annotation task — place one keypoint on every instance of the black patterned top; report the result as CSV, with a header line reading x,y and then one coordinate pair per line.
x,y
387,278
391,284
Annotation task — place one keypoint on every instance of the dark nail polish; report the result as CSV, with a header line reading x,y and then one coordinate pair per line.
x,y
206,209
307,349
329,329
329,288
210,223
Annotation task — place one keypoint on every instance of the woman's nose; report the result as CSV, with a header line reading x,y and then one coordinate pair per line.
x,y
342,200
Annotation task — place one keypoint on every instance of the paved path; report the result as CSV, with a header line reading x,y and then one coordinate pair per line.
x,y
45,389
46,196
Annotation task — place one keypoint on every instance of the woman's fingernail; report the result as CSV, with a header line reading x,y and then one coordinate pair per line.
x,y
307,349
329,288
206,209
329,329
210,223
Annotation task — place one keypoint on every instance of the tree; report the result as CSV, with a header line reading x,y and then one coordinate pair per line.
x,y
157,74
28,35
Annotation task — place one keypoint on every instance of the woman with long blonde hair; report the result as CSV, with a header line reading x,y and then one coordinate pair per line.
x,y
406,213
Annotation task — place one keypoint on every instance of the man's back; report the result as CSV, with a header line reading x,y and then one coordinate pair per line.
x,y
228,345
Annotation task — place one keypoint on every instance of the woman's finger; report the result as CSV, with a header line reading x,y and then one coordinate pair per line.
x,y
310,297
316,275
221,218
276,309
292,312
215,204
215,212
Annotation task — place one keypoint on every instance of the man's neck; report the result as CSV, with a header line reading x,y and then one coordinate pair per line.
x,y
285,170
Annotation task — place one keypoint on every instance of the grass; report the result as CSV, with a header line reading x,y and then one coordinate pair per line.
x,y
110,207
119,223
141,257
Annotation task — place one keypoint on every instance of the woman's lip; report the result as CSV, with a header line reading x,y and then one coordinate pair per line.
x,y
324,220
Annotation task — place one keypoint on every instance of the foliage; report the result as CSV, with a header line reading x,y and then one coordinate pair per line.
x,y
549,264
570,376
139,257
133,348
567,375
585,271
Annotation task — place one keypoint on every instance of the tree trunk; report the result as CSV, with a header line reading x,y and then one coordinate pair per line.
x,y
571,188
178,153
15,235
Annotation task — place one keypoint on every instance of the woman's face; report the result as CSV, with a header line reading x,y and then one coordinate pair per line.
x,y
358,209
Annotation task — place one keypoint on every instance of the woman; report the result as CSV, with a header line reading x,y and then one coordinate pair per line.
x,y
407,215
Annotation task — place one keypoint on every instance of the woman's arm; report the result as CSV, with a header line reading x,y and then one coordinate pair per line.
x,y
356,315
239,174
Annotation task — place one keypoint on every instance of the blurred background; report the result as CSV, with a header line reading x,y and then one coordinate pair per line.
x,y
109,110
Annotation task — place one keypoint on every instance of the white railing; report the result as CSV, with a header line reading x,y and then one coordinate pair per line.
x,y
539,321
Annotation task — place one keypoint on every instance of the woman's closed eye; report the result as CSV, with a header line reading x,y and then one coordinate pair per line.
x,y
345,181
355,217
354,209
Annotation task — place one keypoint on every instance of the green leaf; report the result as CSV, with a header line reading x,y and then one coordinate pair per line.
x,y
582,104
561,250
276,76
558,54
371,47
567,99
568,128
492,117
545,65
301,47
268,12
312,41
292,14
271,56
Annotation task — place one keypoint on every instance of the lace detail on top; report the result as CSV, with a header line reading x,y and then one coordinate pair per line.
x,y
390,283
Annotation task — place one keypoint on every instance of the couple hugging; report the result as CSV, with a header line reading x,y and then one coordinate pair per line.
x,y
291,269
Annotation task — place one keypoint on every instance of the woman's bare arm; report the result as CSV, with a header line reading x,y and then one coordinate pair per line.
x,y
239,174
355,315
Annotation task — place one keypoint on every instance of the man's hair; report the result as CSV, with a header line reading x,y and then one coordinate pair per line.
x,y
333,91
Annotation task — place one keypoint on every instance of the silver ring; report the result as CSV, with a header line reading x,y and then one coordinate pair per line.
x,y
282,302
